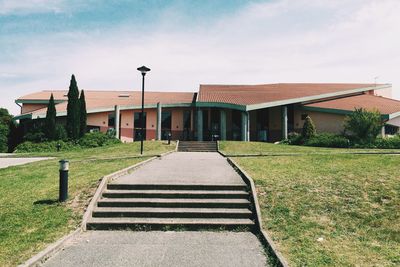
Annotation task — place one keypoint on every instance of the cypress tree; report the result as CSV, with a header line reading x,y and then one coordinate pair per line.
x,y
82,115
50,121
73,122
308,129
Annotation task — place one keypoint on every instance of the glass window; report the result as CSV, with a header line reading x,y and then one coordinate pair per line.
x,y
137,123
166,120
111,120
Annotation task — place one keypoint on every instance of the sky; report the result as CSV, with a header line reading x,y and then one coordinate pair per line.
x,y
187,43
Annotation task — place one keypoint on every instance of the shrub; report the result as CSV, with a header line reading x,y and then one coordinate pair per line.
x,y
388,143
3,137
50,146
295,139
328,140
61,132
308,129
97,139
364,126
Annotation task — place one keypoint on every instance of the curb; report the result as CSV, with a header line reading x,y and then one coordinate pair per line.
x,y
55,247
264,237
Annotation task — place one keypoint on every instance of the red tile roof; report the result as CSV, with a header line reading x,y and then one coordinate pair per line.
x,y
382,104
263,93
108,99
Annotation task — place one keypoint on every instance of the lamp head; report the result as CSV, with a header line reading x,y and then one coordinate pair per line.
x,y
143,69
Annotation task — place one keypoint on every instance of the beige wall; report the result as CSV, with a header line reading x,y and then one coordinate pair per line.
x,y
98,119
384,92
326,122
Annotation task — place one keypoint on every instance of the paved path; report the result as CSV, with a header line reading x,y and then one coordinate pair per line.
x,y
127,248
6,162
185,168
116,248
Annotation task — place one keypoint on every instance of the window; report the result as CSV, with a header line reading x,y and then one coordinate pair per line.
x,y
166,120
186,119
111,120
137,123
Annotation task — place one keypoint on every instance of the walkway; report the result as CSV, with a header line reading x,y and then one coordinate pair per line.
x,y
12,161
156,248
121,248
185,168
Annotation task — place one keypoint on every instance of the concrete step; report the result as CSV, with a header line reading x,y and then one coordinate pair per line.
x,y
175,194
172,212
228,187
174,202
166,223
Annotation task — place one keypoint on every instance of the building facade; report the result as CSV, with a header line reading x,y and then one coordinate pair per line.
x,y
266,112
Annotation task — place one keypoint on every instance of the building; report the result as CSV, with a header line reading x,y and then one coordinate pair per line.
x,y
266,112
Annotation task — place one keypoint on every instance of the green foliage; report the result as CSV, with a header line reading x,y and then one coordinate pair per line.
x,y
90,140
308,129
82,115
15,135
328,140
50,146
3,137
60,132
364,126
50,121
35,133
295,139
73,110
5,117
97,139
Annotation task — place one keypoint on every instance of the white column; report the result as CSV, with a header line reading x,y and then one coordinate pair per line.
x,y
158,125
117,123
383,133
199,125
245,126
222,124
284,123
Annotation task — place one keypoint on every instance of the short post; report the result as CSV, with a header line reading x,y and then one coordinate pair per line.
x,y
58,147
169,138
64,168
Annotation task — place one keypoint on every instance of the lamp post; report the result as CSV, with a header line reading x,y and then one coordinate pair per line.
x,y
143,70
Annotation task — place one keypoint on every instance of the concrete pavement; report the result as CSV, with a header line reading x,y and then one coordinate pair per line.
x,y
184,168
124,248
7,162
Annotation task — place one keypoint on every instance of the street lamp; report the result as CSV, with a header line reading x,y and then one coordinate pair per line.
x,y
143,70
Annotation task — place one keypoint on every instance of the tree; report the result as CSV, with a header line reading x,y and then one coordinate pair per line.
x,y
73,122
5,119
364,126
15,135
308,129
50,121
82,115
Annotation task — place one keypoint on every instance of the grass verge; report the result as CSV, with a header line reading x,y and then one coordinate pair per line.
x,y
258,148
330,210
30,216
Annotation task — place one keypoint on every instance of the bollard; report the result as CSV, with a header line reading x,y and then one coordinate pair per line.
x,y
64,167
169,138
58,147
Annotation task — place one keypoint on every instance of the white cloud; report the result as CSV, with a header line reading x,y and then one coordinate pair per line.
x,y
282,41
24,7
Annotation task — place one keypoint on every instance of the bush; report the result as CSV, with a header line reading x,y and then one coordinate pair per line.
x,y
51,146
97,139
308,129
364,126
328,140
3,137
388,143
295,139
61,132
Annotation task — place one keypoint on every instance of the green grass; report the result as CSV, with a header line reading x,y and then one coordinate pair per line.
x,y
352,202
31,218
233,148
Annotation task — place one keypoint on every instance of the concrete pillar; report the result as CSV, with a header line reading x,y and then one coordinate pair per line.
x,y
158,126
199,125
222,124
245,126
383,134
284,123
117,123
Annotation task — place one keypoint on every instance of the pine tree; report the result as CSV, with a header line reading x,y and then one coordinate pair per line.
x,y
73,121
308,129
82,115
50,121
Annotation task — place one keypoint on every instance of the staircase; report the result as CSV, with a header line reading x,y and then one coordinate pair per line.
x,y
167,207
197,146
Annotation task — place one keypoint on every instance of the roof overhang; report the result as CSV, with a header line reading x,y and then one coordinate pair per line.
x,y
314,97
345,112
36,101
220,105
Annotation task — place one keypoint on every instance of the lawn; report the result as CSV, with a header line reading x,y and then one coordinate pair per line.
x,y
333,209
31,218
232,148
